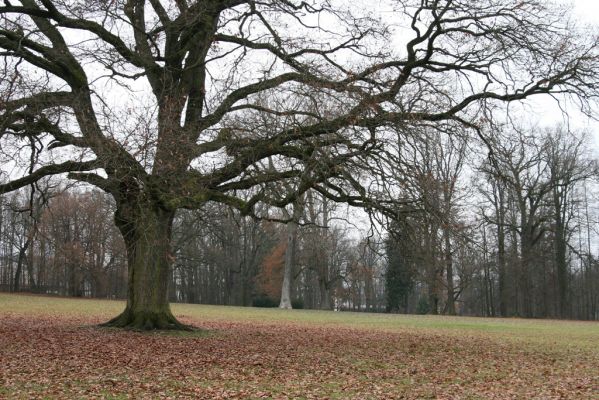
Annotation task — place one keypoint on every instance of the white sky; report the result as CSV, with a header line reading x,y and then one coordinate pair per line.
x,y
587,9
545,111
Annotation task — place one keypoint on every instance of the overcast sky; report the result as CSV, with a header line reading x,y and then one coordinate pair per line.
x,y
543,110
588,9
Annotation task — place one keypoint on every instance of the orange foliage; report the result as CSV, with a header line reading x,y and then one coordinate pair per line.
x,y
270,279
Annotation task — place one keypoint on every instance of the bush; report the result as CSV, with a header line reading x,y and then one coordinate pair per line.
x,y
264,301
297,304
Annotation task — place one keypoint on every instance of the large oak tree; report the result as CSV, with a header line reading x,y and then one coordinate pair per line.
x,y
163,103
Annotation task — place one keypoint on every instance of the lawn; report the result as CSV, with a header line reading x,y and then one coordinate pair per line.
x,y
51,348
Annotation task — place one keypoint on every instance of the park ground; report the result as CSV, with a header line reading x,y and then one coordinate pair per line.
x,y
52,348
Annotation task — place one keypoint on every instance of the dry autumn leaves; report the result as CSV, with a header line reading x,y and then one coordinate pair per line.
x,y
52,348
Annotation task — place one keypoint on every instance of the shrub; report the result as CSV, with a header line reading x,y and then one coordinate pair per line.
x,y
264,301
298,304
423,306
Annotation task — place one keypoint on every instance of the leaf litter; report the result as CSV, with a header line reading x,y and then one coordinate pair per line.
x,y
70,357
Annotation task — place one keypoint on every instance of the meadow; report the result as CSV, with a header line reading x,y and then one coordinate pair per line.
x,y
52,348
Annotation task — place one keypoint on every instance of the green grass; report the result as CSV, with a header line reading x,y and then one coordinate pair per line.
x,y
543,332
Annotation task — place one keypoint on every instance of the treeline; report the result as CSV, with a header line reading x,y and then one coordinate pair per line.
x,y
507,232
68,245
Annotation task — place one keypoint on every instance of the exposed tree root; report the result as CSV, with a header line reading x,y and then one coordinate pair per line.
x,y
147,321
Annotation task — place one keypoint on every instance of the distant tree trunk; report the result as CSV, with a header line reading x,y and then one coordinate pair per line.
x,y
501,270
561,263
20,261
450,307
325,300
9,255
323,281
41,282
434,272
514,270
17,278
369,296
146,230
526,261
30,269
488,279
290,257
192,283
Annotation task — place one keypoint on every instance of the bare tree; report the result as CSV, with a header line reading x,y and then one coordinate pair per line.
x,y
519,163
567,165
205,64
449,159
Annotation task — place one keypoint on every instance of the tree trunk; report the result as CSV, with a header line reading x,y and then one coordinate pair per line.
x,y
501,269
289,261
561,262
21,259
526,270
450,308
433,272
30,275
16,286
147,233
290,257
325,300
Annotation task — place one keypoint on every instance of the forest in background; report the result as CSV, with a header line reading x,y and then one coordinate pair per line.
x,y
507,232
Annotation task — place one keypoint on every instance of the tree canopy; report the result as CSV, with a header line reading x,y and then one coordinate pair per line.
x,y
172,104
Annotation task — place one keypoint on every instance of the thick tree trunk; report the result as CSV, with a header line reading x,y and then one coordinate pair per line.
x,y
147,237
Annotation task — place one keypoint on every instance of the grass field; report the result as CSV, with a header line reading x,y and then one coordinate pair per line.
x,y
51,348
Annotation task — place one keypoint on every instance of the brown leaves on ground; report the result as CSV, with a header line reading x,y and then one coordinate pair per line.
x,y
43,357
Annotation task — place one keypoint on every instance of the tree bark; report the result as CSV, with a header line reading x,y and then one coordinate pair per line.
x,y
526,260
22,256
147,232
501,264
450,308
325,300
561,244
17,279
290,258
434,271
